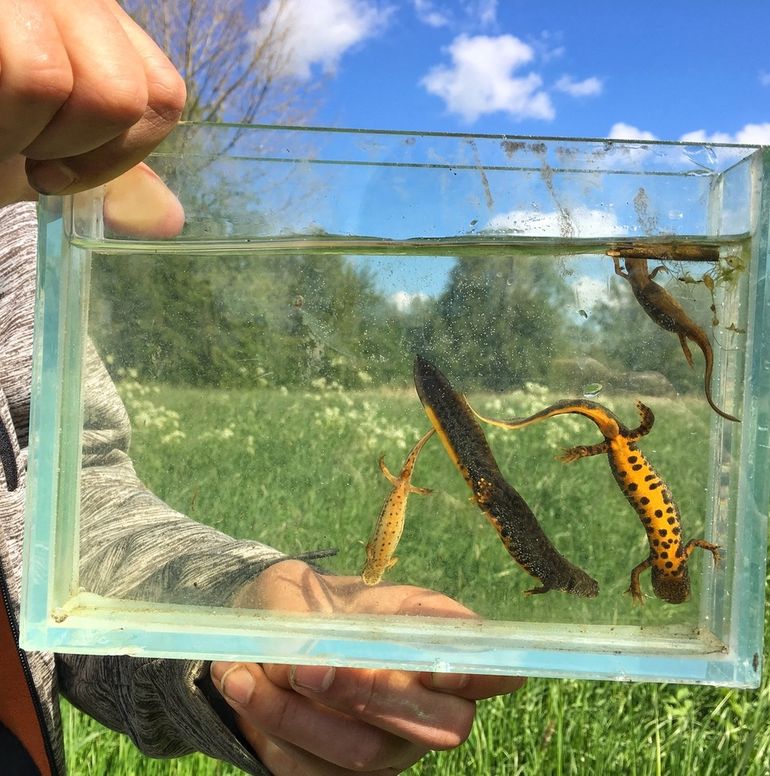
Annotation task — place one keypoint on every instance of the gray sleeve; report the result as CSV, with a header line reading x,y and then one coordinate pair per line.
x,y
132,544
168,707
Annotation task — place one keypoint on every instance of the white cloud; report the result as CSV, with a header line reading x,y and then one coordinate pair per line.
x,y
549,46
700,136
428,14
483,11
321,34
751,134
588,87
621,131
754,134
578,222
403,300
467,15
481,79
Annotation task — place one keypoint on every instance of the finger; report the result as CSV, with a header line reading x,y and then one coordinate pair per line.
x,y
35,73
109,87
282,758
320,731
473,687
138,204
428,603
395,701
166,87
165,102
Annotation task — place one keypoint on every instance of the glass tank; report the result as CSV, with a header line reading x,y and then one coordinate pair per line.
x,y
533,371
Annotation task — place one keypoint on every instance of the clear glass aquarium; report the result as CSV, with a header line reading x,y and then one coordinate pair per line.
x,y
336,294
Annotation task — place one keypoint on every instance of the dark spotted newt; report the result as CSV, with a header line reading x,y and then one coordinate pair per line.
x,y
668,314
644,490
390,523
512,518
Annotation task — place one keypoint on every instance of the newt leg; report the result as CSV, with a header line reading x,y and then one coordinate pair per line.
x,y
536,590
618,269
685,348
647,421
635,588
704,545
659,268
420,491
582,451
384,469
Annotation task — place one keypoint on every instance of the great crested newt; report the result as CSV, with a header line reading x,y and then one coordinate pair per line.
x,y
668,314
642,487
514,521
390,523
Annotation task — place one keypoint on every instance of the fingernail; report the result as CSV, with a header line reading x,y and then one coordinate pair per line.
x,y
449,682
313,678
49,177
236,683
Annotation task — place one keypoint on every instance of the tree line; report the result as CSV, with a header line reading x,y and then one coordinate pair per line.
x,y
248,320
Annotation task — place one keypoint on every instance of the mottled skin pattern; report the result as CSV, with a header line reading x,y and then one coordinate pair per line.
x,y
669,315
390,523
644,490
512,518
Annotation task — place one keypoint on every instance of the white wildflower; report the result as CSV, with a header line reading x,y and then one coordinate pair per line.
x,y
174,436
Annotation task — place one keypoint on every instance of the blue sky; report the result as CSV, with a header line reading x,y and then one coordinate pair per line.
x,y
679,70
694,71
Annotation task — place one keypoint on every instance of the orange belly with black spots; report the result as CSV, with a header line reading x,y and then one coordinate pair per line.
x,y
652,500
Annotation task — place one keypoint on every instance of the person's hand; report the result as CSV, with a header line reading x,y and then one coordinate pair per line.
x,y
138,204
85,95
323,721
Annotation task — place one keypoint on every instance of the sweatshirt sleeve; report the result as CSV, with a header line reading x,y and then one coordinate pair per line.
x,y
135,546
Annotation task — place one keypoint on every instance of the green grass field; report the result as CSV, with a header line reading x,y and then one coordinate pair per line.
x,y
230,459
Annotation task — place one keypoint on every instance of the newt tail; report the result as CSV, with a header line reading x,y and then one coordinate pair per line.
x,y
668,314
644,490
514,521
390,523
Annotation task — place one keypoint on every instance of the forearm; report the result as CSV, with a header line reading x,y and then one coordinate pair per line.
x,y
134,545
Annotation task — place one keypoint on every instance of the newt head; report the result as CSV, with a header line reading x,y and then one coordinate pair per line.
x,y
673,590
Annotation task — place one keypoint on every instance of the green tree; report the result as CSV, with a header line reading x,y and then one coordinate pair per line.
x,y
500,321
205,320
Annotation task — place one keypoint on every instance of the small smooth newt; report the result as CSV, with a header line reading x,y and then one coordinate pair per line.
x,y
644,490
668,314
506,510
390,523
